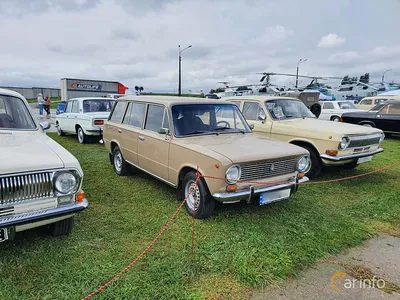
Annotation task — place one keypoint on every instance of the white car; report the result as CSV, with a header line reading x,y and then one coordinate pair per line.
x,y
84,117
40,181
333,110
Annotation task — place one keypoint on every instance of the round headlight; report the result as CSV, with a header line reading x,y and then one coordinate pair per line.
x,y
303,164
344,143
66,182
233,174
382,138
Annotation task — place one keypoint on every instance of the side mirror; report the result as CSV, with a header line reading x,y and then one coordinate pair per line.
x,y
251,126
163,131
45,125
262,117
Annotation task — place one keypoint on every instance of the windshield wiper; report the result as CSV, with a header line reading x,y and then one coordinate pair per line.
x,y
200,132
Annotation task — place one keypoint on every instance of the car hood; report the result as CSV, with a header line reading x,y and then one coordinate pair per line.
x,y
244,147
28,151
311,127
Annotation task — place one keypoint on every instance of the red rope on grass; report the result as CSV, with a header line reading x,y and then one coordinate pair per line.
x,y
148,248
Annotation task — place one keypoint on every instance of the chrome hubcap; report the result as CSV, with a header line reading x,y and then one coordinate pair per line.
x,y
80,135
118,161
193,200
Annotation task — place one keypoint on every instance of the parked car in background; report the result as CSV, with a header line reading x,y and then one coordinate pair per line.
x,y
84,117
171,138
333,110
369,102
212,96
385,116
329,144
40,181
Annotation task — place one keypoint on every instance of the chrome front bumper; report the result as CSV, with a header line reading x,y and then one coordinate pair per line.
x,y
41,215
249,193
350,156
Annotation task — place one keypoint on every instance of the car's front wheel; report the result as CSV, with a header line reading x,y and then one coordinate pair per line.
x,y
199,203
335,119
82,137
315,161
60,132
119,163
63,227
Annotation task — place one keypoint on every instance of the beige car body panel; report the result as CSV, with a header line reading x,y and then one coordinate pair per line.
x,y
369,102
164,156
322,135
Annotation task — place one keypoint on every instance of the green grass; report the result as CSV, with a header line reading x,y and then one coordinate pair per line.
x,y
240,248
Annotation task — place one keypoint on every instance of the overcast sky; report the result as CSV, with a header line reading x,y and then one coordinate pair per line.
x,y
136,42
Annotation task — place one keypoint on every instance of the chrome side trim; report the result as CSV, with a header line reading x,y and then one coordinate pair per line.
x,y
350,156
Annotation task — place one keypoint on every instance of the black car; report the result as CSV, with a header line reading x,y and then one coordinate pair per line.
x,y
385,116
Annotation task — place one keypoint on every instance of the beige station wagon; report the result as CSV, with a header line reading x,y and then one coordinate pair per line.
x,y
329,143
368,103
170,138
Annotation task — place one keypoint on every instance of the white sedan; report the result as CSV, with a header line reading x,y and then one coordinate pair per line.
x,y
333,110
84,117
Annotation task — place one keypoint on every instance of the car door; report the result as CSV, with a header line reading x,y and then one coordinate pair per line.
x,y
388,118
64,118
153,146
255,114
131,127
327,110
73,116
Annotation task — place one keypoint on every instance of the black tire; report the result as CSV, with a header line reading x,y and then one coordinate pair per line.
x,y
59,130
316,163
335,119
316,109
350,165
205,204
63,227
119,163
82,137
367,125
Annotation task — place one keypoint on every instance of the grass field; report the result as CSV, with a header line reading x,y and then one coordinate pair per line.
x,y
240,248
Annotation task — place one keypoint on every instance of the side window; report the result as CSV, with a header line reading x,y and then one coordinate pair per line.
x,y
75,107
328,105
156,118
366,102
137,114
127,118
252,111
393,109
237,103
117,112
68,106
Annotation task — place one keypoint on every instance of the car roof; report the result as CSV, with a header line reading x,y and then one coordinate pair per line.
x,y
10,93
259,98
383,97
91,98
170,100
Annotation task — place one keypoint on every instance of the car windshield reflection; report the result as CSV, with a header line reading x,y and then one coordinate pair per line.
x,y
206,119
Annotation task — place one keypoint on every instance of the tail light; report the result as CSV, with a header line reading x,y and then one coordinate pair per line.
x,y
98,122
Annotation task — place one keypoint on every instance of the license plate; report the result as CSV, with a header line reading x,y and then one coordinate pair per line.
x,y
364,159
273,196
3,234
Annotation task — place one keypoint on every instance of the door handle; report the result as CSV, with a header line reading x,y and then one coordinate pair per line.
x,y
119,131
141,137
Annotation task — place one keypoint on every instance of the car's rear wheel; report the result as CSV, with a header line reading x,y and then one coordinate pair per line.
x,y
316,163
63,227
199,203
82,137
59,130
335,119
119,163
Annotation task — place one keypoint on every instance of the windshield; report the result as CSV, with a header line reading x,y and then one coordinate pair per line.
x,y
285,108
14,114
202,119
347,105
97,105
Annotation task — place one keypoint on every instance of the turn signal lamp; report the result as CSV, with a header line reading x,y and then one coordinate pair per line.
x,y
80,196
231,188
332,152
301,175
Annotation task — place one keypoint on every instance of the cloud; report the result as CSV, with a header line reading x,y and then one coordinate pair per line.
x,y
330,40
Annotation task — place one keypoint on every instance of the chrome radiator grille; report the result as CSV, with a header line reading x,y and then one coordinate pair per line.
x,y
364,140
266,169
22,187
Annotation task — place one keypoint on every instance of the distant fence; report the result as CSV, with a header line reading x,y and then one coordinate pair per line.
x,y
31,93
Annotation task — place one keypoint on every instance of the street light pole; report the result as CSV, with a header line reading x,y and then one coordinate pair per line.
x,y
297,70
180,68
383,75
